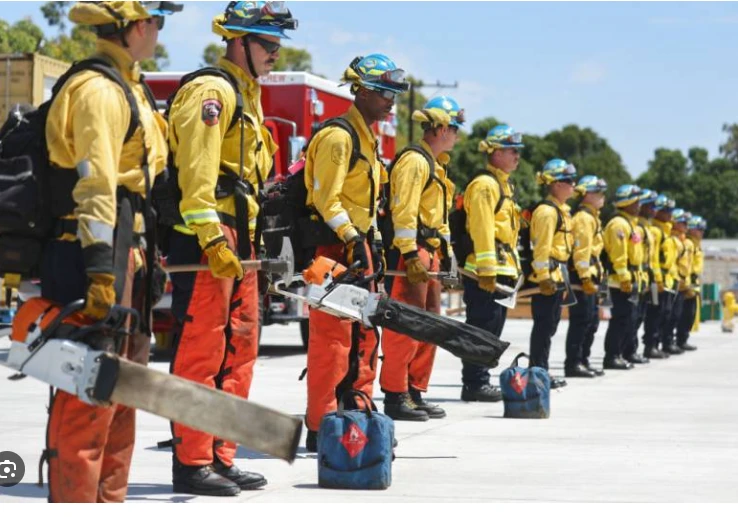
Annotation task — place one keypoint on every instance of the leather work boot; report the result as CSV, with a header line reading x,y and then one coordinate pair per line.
x,y
433,410
637,359
557,382
673,350
597,371
244,480
616,363
687,347
201,480
399,406
311,441
484,393
654,353
579,371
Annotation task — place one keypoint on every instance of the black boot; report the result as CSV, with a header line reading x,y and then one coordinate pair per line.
x,y
673,350
484,393
399,406
433,410
201,480
616,363
311,441
637,359
579,371
557,382
687,347
655,353
244,480
597,371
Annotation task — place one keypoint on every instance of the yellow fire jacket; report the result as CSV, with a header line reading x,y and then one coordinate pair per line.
x,y
548,242
410,202
667,251
588,243
86,126
204,146
625,248
345,199
698,261
684,263
494,234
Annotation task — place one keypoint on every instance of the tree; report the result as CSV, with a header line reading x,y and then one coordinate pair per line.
x,y
159,61
55,14
211,54
730,148
402,112
294,60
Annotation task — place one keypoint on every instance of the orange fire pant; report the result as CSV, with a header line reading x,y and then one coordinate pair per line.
x,y
218,342
407,362
89,448
328,354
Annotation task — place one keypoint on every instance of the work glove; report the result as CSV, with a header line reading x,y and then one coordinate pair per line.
x,y
588,286
682,286
416,272
548,287
378,260
690,293
100,295
660,287
626,286
223,262
488,283
356,252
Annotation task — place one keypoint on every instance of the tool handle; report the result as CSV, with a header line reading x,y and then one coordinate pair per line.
x,y
273,266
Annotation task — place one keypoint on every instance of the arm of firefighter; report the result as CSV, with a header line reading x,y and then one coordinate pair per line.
x,y
698,266
658,276
99,122
330,167
542,229
685,263
479,203
199,119
406,187
584,230
618,236
445,230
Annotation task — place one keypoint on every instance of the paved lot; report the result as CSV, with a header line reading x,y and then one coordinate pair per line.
x,y
667,431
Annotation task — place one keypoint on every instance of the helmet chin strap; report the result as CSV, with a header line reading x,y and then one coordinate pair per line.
x,y
249,61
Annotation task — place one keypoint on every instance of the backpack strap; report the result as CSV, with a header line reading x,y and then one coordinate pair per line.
x,y
559,215
216,72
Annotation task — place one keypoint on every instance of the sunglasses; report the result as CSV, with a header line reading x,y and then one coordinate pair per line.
x,y
270,47
159,21
386,94
568,181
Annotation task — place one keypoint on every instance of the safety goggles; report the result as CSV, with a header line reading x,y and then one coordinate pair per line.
x,y
159,21
392,79
598,186
387,94
669,205
514,138
270,47
568,181
162,8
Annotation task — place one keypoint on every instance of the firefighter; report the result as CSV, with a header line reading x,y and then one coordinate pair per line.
x,y
344,203
221,154
690,315
645,216
492,223
624,252
551,241
663,260
586,270
730,309
89,448
682,272
419,203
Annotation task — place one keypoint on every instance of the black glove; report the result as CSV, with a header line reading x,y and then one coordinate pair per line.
x,y
356,252
378,259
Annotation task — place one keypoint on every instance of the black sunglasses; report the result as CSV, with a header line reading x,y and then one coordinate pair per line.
x,y
270,47
159,21
568,181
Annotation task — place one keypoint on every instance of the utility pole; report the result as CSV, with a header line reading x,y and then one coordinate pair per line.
x,y
411,103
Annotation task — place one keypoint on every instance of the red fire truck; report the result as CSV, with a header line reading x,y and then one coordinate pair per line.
x,y
294,104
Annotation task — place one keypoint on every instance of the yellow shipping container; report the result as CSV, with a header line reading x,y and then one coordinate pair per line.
x,y
27,79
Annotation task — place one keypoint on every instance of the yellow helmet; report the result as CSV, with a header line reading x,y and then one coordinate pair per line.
x,y
112,17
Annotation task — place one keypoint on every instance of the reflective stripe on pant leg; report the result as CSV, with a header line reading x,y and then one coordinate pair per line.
x,y
421,365
327,356
241,350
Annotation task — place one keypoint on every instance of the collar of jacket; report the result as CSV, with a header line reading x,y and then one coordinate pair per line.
x,y
696,240
501,175
356,120
645,221
633,219
245,82
665,227
442,159
564,207
130,69
591,209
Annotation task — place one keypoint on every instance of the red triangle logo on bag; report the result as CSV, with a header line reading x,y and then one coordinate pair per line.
x,y
354,440
519,382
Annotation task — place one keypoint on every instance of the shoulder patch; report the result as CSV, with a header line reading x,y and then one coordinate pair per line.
x,y
338,153
211,109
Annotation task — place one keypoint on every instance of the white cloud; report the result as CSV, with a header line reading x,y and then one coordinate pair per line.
x,y
588,72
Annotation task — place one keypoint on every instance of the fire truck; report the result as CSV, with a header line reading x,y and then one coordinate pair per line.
x,y
294,104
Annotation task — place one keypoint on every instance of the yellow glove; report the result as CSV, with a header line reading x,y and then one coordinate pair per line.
x,y
488,283
223,262
660,287
548,287
207,233
690,293
416,272
626,286
588,286
100,295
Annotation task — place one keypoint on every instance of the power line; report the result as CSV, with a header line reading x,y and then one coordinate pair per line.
x,y
411,101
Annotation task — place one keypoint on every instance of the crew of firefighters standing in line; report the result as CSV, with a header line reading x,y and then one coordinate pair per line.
x,y
648,255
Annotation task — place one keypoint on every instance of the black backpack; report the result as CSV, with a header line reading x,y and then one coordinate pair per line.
x,y
286,213
34,194
525,251
384,214
461,241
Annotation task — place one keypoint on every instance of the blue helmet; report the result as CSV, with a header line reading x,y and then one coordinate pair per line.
x,y
375,72
648,196
501,137
697,223
591,183
162,8
557,170
440,111
626,195
680,215
241,18
664,203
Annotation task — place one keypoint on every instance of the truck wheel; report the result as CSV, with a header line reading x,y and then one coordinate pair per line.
x,y
305,333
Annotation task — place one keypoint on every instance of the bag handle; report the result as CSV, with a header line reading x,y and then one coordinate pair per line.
x,y
352,395
514,363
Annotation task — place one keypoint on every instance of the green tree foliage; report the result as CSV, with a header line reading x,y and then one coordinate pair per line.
x,y
402,113
211,54
290,59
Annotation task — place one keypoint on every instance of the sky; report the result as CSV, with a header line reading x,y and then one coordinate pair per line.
x,y
642,75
